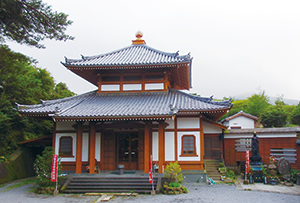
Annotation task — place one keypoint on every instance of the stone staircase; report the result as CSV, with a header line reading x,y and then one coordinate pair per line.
x,y
116,184
211,167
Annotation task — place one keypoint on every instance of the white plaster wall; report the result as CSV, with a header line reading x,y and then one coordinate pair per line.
x,y
171,124
242,121
188,123
210,128
98,146
73,135
269,135
85,147
155,146
169,146
65,125
197,135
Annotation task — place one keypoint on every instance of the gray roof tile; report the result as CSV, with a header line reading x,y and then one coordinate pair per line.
x,y
105,105
134,55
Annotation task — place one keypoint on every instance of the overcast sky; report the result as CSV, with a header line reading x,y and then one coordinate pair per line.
x,y
238,47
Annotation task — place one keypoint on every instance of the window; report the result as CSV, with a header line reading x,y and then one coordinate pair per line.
x,y
188,143
66,146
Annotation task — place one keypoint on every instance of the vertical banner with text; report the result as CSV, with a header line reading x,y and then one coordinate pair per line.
x,y
54,168
150,172
247,161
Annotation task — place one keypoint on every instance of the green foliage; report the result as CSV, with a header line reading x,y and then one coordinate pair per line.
x,y
185,190
31,21
22,82
295,116
275,116
257,104
174,184
43,166
230,174
173,172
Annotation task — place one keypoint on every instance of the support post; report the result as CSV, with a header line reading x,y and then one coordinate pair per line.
x,y
160,146
92,146
79,148
147,148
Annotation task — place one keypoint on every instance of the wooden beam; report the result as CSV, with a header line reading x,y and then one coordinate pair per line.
x,y
201,140
161,146
147,148
92,147
79,148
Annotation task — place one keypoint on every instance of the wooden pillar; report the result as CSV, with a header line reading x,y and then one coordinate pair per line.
x,y
147,148
161,146
201,140
92,146
79,147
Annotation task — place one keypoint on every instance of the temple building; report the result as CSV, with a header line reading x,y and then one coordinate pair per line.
x,y
139,110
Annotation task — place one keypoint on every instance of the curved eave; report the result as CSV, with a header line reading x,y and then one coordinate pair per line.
x,y
113,118
126,66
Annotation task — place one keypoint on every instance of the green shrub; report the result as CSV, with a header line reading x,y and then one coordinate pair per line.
x,y
185,190
173,172
230,174
173,184
43,165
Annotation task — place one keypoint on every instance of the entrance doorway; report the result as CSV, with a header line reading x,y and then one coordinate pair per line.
x,y
127,150
212,146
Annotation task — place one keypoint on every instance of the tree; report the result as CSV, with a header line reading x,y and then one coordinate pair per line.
x,y
275,116
295,118
31,21
257,104
23,83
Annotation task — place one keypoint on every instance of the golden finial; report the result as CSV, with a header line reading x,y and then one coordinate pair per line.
x,y
138,35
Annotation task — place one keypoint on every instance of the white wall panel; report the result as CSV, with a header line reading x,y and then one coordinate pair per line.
x,y
209,128
242,121
98,146
169,146
171,124
197,135
85,147
155,146
73,135
65,125
188,123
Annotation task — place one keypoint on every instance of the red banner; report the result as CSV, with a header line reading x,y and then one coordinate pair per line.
x,y
247,161
54,168
150,172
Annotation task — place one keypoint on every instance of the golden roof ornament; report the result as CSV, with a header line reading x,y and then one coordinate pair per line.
x,y
138,35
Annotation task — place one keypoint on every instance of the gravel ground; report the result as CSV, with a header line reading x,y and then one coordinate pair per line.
x,y
197,193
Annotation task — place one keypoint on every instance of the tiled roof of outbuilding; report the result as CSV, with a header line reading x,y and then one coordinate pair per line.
x,y
134,55
124,105
263,130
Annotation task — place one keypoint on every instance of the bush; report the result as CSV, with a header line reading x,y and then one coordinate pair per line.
x,y
174,184
42,167
230,174
173,172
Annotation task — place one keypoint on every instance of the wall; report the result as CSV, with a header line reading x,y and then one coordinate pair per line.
x,y
242,121
265,144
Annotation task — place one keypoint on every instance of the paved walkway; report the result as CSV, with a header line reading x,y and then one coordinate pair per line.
x,y
294,190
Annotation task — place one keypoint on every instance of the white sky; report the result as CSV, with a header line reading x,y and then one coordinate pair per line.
x,y
237,46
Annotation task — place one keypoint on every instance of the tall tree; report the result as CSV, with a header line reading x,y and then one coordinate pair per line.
x,y
257,104
22,82
295,117
31,21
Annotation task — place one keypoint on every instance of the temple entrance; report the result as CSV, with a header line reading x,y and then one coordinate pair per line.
x,y
127,150
212,146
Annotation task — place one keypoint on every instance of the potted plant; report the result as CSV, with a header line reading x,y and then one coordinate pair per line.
x,y
273,180
265,173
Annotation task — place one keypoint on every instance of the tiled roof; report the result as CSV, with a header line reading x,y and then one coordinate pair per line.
x,y
264,130
134,55
124,105
241,113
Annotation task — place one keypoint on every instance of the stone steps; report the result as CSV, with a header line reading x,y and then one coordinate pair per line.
x,y
211,167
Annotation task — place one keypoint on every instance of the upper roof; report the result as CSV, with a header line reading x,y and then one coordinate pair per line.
x,y
126,106
241,113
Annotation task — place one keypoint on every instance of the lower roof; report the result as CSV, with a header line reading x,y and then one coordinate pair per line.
x,y
263,130
127,106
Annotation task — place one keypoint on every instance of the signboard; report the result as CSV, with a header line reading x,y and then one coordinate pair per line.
x,y
54,168
150,172
247,161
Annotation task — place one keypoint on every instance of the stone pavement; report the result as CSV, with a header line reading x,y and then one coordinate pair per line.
x,y
294,190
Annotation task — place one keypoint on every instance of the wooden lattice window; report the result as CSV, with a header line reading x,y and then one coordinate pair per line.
x,y
188,147
66,146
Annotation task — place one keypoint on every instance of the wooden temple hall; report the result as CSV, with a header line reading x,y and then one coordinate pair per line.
x,y
137,111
